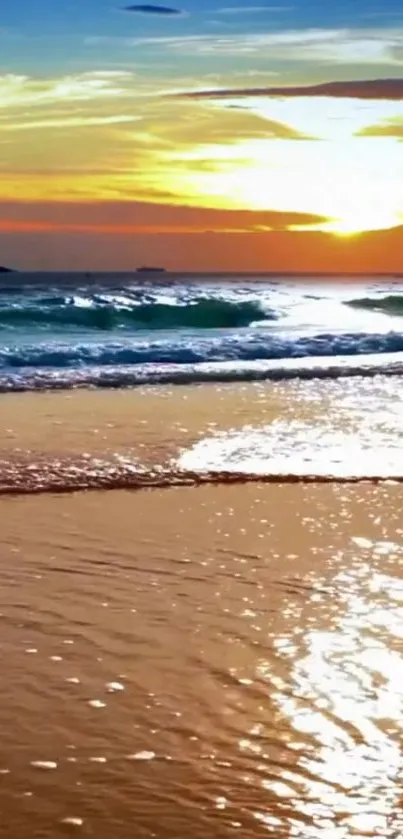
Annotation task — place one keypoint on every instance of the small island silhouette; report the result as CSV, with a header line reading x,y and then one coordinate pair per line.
x,y
4,270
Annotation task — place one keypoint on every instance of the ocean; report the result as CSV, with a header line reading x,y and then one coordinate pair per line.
x,y
115,330
201,594
336,345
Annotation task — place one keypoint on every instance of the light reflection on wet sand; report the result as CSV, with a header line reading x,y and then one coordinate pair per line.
x,y
215,661
314,430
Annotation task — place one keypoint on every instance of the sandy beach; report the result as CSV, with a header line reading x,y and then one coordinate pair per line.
x,y
201,420
197,660
209,661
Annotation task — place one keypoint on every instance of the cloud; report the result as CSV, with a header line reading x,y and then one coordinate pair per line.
x,y
121,218
68,122
153,10
376,89
364,47
120,142
19,90
392,129
220,127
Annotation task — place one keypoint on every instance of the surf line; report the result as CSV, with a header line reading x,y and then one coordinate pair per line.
x,y
51,482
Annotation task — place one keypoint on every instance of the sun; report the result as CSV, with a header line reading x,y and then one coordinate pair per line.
x,y
364,220
326,181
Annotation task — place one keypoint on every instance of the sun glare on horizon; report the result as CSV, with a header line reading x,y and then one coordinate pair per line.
x,y
350,190
168,128
301,156
357,225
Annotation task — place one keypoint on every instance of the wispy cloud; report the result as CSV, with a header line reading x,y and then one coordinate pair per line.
x,y
69,122
109,135
145,9
18,90
377,89
381,46
221,128
393,129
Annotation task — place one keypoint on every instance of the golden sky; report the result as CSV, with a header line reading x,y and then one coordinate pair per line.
x,y
263,132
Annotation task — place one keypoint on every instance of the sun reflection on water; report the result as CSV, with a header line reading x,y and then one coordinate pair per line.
x,y
343,698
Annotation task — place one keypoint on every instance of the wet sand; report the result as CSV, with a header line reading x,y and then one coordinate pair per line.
x,y
146,436
201,662
100,420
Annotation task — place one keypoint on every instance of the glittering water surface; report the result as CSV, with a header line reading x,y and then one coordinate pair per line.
x,y
337,429
203,662
342,428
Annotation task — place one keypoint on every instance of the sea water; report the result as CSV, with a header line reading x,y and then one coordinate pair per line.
x,y
62,331
327,354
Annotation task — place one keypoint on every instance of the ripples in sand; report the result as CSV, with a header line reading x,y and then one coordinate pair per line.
x,y
257,633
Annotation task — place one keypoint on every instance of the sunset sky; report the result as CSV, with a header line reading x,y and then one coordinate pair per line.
x,y
205,136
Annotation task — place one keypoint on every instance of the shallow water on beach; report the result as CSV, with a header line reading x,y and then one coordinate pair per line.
x,y
218,661
342,429
196,658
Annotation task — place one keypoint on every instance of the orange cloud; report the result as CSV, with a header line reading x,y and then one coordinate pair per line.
x,y
231,125
122,218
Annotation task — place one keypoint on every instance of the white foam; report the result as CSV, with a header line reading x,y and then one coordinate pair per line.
x,y
296,447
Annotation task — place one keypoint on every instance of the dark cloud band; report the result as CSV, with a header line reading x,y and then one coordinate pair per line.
x,y
379,89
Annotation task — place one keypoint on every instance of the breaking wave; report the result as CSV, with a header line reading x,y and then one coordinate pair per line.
x,y
119,333
125,376
391,304
255,345
100,314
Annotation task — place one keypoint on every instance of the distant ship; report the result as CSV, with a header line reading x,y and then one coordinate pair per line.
x,y
150,269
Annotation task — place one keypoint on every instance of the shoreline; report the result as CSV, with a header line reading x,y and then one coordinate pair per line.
x,y
75,478
262,433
